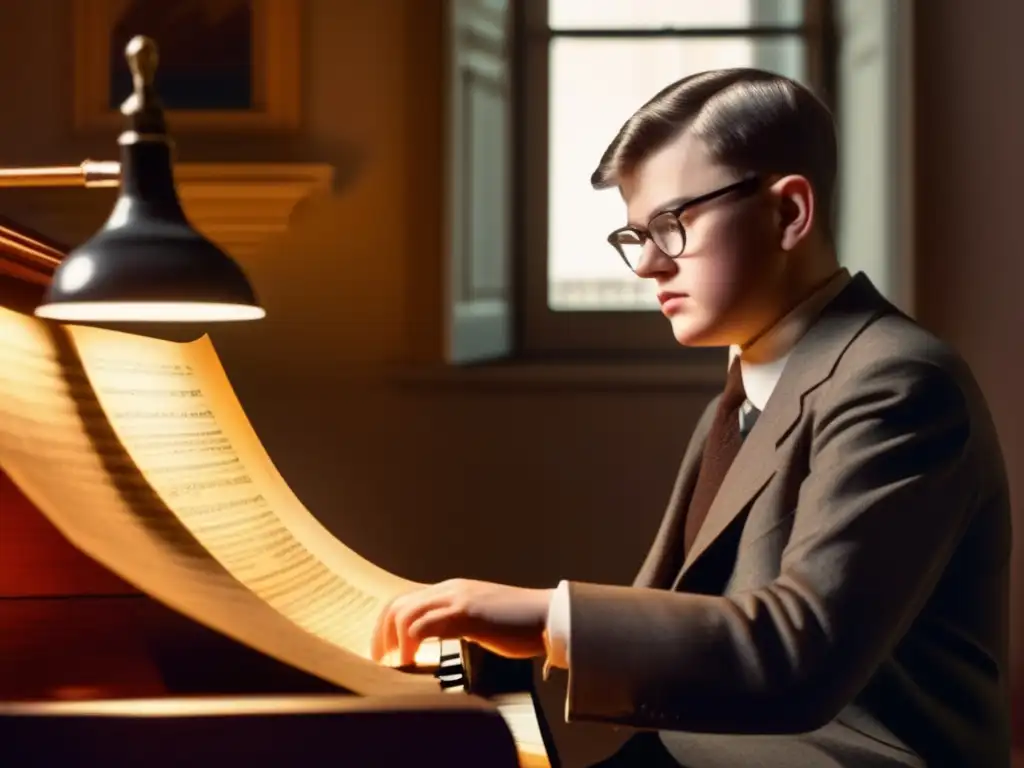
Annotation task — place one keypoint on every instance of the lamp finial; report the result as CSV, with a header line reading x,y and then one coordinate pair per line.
x,y
143,107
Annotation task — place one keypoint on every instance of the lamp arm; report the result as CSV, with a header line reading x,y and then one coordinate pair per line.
x,y
90,174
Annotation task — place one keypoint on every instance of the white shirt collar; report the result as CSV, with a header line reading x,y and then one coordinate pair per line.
x,y
773,348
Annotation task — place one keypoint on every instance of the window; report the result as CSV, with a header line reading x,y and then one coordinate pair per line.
x,y
529,271
876,145
584,66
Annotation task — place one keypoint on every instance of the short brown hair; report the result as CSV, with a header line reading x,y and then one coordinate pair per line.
x,y
750,120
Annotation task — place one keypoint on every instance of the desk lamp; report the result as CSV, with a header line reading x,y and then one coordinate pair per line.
x,y
147,263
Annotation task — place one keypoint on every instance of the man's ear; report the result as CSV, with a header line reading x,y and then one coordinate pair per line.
x,y
795,210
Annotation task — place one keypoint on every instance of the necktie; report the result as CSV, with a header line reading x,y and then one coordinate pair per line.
x,y
723,443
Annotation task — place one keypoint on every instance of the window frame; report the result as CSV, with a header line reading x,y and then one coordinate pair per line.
x,y
543,333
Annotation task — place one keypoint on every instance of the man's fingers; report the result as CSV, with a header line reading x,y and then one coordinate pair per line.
x,y
441,621
377,638
415,616
388,630
390,633
378,644
407,615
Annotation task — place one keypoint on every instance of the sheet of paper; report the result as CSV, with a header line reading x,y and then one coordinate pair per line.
x,y
174,411
137,450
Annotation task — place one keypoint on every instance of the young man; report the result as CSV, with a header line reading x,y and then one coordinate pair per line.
x,y
829,584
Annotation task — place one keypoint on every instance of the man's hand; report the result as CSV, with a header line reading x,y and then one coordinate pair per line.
x,y
506,620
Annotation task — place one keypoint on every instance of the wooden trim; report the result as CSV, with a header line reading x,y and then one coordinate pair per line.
x,y
26,255
241,205
823,51
277,85
237,205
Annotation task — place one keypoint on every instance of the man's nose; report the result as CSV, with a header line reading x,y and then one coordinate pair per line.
x,y
653,262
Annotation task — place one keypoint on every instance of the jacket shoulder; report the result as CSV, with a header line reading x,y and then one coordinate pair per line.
x,y
897,344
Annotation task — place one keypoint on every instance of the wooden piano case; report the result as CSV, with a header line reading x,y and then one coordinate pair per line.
x,y
73,634
71,629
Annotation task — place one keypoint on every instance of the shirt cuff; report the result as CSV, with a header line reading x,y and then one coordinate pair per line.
x,y
556,633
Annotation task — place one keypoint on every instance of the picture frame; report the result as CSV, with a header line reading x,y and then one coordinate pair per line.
x,y
254,84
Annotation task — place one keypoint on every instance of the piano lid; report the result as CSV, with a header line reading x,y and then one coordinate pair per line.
x,y
26,254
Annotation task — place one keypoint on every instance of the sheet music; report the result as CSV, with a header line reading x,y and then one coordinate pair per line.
x,y
139,452
173,409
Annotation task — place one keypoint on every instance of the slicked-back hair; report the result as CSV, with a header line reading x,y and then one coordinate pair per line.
x,y
750,120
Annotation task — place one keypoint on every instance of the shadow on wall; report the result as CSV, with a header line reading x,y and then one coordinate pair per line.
x,y
332,287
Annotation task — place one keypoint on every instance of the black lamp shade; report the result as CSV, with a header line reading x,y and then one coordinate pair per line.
x,y
147,263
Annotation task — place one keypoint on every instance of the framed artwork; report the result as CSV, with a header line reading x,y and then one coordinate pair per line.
x,y
224,65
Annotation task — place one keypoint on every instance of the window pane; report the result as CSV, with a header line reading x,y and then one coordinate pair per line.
x,y
681,14
595,86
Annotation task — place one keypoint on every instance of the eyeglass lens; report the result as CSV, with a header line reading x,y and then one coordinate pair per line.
x,y
666,232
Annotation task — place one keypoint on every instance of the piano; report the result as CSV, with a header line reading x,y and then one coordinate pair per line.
x,y
94,672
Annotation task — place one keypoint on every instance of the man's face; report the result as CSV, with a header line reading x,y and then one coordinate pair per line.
x,y
718,292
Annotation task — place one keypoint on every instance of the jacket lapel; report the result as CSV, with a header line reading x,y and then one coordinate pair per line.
x,y
812,361
664,561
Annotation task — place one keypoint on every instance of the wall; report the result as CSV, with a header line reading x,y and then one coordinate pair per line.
x,y
529,485
969,159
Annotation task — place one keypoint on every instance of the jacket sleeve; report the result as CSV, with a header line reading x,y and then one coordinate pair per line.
x,y
889,491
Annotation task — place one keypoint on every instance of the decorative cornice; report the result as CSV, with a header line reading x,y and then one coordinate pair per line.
x,y
237,205
240,205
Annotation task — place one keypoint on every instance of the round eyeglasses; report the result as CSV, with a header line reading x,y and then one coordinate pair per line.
x,y
665,229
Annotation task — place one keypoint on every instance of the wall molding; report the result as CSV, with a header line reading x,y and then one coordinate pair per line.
x,y
241,205
237,205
